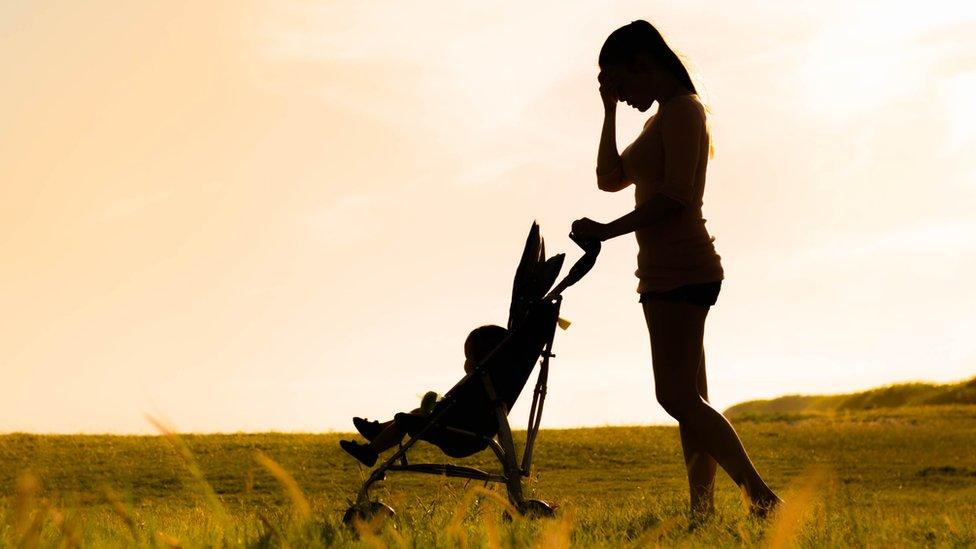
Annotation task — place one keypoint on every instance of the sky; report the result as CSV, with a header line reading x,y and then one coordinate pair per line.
x,y
254,216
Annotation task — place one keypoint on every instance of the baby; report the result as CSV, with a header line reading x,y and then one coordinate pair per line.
x,y
383,436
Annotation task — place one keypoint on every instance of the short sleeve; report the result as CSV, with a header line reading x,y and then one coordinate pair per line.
x,y
681,132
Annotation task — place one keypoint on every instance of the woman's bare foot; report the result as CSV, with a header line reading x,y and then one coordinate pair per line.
x,y
699,517
765,507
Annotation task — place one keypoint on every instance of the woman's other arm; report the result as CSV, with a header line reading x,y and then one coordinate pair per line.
x,y
609,171
655,209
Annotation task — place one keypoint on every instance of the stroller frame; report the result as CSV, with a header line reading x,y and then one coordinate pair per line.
x,y
501,443
504,447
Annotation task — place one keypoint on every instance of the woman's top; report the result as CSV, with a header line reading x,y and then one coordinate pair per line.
x,y
670,157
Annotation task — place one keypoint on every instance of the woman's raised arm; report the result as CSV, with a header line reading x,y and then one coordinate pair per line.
x,y
609,171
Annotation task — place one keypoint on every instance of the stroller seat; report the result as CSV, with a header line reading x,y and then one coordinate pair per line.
x,y
468,416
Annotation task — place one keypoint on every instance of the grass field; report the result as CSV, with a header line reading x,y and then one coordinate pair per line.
x,y
882,478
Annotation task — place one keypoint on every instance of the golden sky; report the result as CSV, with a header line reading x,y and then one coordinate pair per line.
x,y
245,216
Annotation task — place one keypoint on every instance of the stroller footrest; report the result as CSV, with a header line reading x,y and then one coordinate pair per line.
x,y
449,470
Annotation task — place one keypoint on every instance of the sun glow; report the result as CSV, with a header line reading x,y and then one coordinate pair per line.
x,y
254,216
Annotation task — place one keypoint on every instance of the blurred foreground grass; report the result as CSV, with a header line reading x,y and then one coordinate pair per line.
x,y
893,477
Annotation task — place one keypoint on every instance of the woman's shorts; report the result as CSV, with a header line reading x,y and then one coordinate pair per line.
x,y
703,294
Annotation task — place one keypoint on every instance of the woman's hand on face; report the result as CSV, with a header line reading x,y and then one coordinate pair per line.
x,y
586,228
608,91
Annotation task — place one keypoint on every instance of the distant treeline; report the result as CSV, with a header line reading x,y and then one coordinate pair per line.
x,y
891,396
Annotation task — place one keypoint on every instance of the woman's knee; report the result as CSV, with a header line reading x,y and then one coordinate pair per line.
x,y
677,404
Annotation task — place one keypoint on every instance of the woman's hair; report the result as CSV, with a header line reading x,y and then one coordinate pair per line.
x,y
623,45
483,340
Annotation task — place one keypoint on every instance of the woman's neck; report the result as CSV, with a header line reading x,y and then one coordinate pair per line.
x,y
673,90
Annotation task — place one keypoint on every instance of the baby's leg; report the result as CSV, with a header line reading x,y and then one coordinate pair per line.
x,y
389,437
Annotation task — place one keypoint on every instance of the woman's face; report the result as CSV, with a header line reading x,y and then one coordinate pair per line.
x,y
636,85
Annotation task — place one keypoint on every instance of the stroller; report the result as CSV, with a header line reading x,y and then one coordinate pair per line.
x,y
473,415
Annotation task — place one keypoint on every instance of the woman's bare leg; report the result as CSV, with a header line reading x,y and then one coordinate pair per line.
x,y
676,331
700,464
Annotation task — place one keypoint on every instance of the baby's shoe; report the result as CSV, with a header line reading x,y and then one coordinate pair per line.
x,y
366,455
368,429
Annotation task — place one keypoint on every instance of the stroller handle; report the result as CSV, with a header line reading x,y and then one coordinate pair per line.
x,y
591,249
588,245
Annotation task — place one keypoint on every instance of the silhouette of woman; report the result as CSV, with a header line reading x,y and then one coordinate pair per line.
x,y
679,272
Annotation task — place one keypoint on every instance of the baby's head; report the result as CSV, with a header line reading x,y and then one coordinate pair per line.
x,y
481,341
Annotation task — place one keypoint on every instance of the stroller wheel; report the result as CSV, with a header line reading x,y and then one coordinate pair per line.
x,y
534,509
368,512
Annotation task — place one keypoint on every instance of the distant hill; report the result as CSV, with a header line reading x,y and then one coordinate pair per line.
x,y
891,396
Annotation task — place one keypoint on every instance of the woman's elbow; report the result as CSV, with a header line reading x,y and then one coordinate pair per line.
x,y
611,186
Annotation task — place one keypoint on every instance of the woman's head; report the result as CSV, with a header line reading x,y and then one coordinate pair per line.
x,y
641,65
481,341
